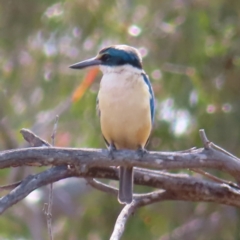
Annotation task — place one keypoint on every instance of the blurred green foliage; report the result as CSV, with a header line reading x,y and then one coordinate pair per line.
x,y
191,52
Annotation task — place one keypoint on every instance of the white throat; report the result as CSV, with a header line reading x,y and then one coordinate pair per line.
x,y
122,82
126,69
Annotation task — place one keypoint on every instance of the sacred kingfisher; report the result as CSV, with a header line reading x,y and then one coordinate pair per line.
x,y
125,105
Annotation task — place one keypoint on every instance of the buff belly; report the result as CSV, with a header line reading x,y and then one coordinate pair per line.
x,y
125,111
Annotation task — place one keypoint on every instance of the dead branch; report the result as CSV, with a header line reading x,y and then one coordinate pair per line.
x,y
212,158
128,210
96,163
183,186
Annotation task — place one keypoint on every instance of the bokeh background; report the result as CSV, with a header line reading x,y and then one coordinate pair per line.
x,y
191,52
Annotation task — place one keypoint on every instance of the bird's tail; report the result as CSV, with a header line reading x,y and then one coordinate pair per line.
x,y
125,185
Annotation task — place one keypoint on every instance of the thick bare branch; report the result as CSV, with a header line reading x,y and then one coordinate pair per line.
x,y
31,183
184,187
45,156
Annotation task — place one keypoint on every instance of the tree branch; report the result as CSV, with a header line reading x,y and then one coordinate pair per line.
x,y
31,183
101,186
46,156
96,163
128,210
183,186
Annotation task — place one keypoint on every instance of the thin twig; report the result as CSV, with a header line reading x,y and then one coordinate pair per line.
x,y
10,186
102,187
204,138
33,139
214,178
223,150
50,196
188,150
208,144
54,130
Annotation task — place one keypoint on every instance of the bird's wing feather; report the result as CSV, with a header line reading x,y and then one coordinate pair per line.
x,y
152,104
99,114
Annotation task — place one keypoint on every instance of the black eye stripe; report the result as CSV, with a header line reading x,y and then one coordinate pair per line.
x,y
105,57
112,56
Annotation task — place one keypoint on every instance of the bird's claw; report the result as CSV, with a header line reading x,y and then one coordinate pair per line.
x,y
111,149
141,151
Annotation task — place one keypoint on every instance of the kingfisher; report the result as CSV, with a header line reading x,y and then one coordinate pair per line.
x,y
125,106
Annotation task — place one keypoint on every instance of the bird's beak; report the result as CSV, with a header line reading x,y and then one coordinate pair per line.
x,y
87,63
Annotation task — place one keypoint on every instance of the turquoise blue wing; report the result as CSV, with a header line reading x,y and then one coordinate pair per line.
x,y
152,100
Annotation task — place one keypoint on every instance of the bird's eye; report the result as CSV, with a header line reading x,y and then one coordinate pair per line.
x,y
105,57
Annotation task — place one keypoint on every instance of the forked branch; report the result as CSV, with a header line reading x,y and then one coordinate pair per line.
x,y
96,163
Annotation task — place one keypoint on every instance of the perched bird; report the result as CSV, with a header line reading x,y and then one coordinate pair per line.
x,y
125,103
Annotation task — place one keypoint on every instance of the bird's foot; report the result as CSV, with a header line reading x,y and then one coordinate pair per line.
x,y
141,151
111,149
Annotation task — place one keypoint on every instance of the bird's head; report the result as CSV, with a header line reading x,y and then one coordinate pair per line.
x,y
113,56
